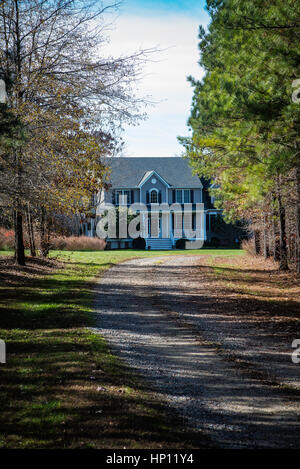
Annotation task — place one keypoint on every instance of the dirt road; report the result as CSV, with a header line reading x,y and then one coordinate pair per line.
x,y
150,312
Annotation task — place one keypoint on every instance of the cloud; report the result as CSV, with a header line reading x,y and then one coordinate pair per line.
x,y
176,35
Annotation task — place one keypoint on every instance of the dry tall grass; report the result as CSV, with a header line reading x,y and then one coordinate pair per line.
x,y
248,246
61,243
75,243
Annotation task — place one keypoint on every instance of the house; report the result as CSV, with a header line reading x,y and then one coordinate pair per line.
x,y
173,204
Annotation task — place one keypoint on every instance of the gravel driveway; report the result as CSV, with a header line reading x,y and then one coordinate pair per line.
x,y
150,317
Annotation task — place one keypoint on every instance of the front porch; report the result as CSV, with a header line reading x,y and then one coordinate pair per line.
x,y
162,228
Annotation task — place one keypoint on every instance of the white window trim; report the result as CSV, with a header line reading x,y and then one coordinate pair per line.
x,y
182,194
157,195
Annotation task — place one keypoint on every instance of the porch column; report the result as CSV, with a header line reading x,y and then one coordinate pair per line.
x,y
145,225
171,228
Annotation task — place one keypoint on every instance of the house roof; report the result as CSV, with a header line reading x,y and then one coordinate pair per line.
x,y
129,172
147,176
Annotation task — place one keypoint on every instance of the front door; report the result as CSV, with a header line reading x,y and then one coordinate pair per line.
x,y
154,227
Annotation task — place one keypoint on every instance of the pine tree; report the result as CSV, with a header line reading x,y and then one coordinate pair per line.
x,y
245,126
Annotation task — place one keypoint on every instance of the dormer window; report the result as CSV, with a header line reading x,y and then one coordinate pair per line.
x,y
154,196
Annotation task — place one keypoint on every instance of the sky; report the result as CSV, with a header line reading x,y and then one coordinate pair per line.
x,y
172,27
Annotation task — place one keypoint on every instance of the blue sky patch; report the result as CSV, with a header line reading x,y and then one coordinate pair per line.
x,y
187,7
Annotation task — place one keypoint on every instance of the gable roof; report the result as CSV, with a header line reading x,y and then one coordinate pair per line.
x,y
129,172
147,176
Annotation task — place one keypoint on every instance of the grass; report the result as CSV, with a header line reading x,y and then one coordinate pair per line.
x,y
61,386
258,278
124,254
253,291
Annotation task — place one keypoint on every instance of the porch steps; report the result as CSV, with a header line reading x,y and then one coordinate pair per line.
x,y
159,244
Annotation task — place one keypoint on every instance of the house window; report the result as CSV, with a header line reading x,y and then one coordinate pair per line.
x,y
154,196
183,196
179,196
123,197
187,196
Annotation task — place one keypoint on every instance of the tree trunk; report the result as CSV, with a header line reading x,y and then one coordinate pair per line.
x,y
276,246
297,210
30,233
265,238
257,242
282,233
275,231
44,235
19,242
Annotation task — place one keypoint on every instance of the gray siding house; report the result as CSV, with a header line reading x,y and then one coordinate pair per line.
x,y
152,181
156,183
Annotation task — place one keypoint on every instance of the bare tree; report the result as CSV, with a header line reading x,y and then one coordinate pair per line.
x,y
65,94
